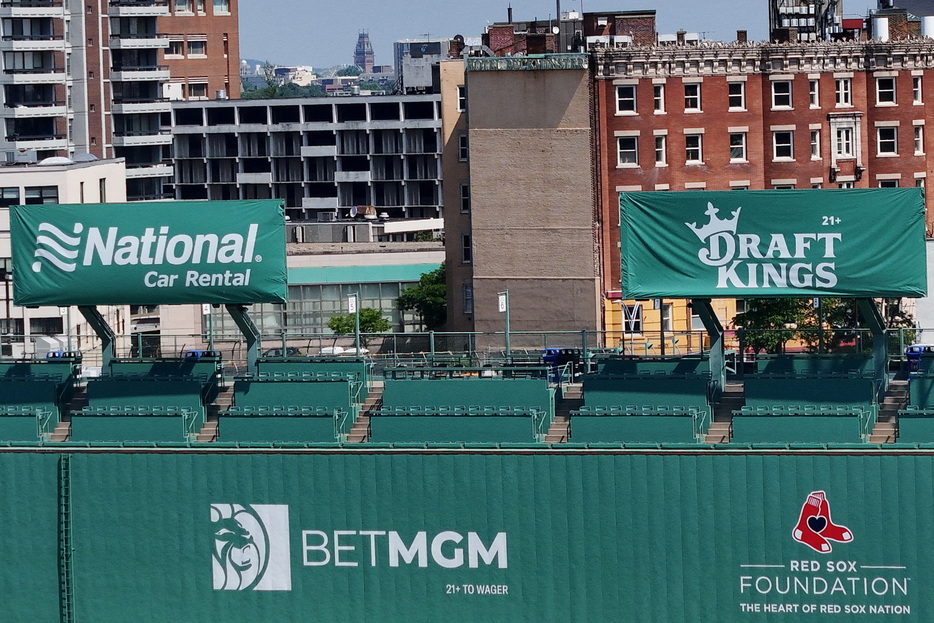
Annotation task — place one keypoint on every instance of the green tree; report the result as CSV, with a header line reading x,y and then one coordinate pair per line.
x,y
349,70
428,298
371,321
770,323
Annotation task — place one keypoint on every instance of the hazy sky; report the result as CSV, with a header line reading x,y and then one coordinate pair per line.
x,y
299,32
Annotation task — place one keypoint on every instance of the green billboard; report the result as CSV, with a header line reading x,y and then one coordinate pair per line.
x,y
149,253
709,244
688,535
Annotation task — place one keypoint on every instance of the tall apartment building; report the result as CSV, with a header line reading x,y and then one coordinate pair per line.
x,y
203,55
86,77
807,19
327,158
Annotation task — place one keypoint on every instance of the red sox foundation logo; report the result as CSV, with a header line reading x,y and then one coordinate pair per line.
x,y
815,528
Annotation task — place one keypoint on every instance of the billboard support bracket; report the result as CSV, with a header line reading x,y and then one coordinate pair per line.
x,y
708,316
104,332
243,321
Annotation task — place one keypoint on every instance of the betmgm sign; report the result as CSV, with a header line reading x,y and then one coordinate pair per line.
x,y
149,253
807,243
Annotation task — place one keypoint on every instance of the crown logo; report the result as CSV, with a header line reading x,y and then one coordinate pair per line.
x,y
716,224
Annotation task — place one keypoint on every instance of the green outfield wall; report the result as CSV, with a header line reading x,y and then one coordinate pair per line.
x,y
419,535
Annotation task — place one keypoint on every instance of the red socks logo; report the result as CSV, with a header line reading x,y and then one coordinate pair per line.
x,y
815,528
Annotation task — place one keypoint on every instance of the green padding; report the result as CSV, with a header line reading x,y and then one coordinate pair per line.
x,y
632,428
663,390
315,365
468,429
131,428
33,393
494,392
815,364
793,428
915,428
188,366
107,393
672,365
273,428
921,391
19,428
764,392
51,368
333,395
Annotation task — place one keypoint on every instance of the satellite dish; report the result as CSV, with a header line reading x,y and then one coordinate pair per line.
x,y
555,30
353,211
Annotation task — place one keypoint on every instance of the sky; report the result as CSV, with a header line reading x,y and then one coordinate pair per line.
x,y
299,32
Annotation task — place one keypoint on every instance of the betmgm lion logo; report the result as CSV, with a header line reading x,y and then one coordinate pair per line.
x,y
251,547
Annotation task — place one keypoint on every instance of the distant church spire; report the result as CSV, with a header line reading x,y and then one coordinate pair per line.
x,y
363,55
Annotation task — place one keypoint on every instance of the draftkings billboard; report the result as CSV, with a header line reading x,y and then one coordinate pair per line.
x,y
709,244
149,253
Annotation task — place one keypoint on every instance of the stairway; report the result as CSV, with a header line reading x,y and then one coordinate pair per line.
x,y
222,403
360,432
79,400
721,428
896,397
572,400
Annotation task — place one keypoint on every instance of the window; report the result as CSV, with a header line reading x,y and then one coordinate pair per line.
x,y
919,182
658,95
465,198
814,93
737,95
844,143
844,92
197,48
47,326
845,185
885,91
626,98
916,89
182,6
781,94
919,139
660,149
461,98
462,151
37,195
197,90
888,183
200,4
468,299
888,142
784,187
221,7
628,148
692,96
782,145
666,317
176,48
738,147
815,144
632,318
692,148
9,197
466,249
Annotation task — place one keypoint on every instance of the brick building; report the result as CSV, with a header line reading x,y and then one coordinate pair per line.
x,y
203,55
731,116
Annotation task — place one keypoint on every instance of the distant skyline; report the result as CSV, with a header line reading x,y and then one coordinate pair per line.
x,y
297,32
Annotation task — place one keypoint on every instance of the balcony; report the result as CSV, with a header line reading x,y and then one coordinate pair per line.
x,y
139,106
23,110
143,41
142,138
32,43
148,73
152,170
37,75
37,141
138,8
31,8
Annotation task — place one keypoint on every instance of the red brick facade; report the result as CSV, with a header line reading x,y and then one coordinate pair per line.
x,y
872,133
205,26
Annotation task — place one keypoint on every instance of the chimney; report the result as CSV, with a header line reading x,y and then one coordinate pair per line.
x,y
741,36
509,14
681,34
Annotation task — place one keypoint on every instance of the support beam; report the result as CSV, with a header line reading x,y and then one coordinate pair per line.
x,y
250,333
873,318
704,309
103,330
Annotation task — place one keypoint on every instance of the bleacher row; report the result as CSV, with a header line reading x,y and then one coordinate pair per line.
x,y
789,399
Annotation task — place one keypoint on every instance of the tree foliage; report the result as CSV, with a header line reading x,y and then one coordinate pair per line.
x,y
371,321
768,324
428,298
349,70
